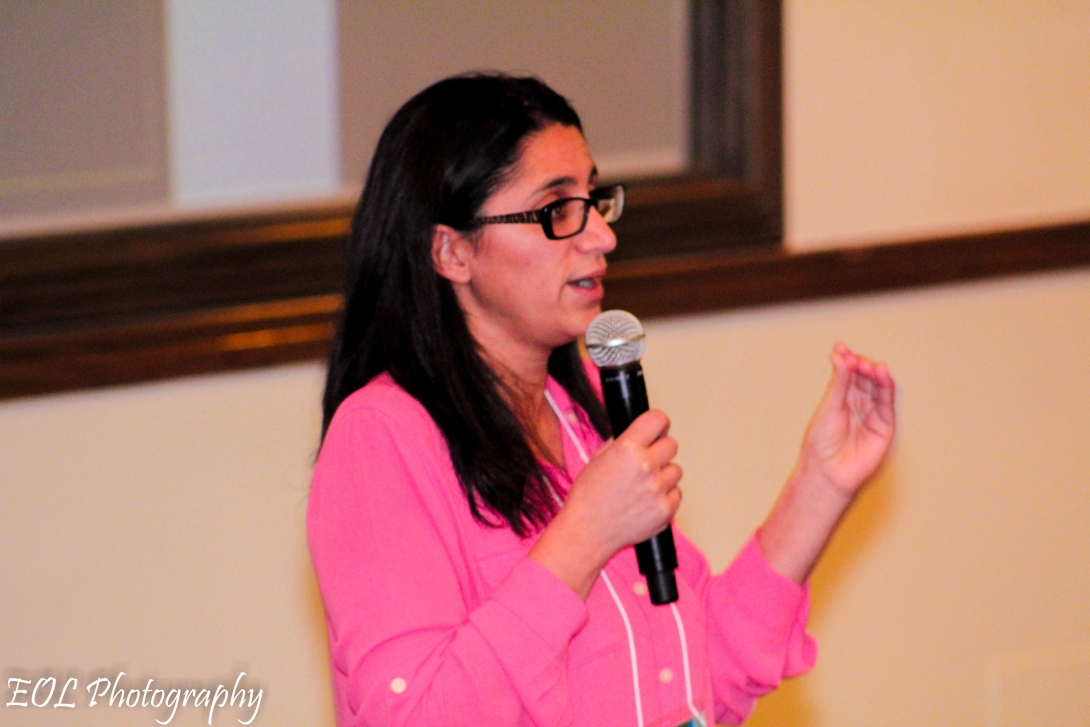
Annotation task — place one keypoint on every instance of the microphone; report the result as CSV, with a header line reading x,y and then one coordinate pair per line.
x,y
615,343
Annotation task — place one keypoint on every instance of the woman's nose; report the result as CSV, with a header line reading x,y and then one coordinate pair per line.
x,y
598,237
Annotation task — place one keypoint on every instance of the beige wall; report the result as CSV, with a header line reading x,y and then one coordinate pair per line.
x,y
910,119
158,528
958,590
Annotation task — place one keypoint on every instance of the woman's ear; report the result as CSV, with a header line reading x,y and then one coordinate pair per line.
x,y
451,253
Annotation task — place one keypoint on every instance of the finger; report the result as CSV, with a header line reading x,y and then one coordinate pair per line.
x,y
868,368
873,380
841,350
669,476
661,452
886,392
648,427
875,373
843,361
865,367
672,497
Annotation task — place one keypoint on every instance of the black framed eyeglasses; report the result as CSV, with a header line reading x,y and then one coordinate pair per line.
x,y
566,217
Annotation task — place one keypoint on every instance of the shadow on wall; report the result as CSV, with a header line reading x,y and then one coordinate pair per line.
x,y
793,704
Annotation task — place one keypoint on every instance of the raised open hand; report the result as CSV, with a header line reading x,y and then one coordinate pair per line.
x,y
853,427
849,435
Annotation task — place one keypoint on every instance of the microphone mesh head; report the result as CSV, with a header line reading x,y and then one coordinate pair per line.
x,y
615,338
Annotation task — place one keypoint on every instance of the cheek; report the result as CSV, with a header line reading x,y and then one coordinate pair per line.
x,y
521,272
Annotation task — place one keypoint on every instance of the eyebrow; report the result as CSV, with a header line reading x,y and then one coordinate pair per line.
x,y
563,181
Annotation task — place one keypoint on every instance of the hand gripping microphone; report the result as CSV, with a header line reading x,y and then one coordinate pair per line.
x,y
615,343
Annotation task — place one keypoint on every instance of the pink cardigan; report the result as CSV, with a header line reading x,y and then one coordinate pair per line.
x,y
435,619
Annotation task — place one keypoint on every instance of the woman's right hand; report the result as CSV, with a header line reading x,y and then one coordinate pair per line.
x,y
626,493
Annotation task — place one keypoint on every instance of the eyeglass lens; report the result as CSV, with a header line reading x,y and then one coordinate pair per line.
x,y
570,217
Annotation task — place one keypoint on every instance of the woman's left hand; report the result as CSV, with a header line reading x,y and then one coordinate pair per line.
x,y
848,437
852,429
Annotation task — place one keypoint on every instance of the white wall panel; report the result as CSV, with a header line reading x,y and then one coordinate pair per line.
x,y
253,100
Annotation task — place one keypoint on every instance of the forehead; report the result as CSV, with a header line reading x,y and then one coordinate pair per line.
x,y
556,156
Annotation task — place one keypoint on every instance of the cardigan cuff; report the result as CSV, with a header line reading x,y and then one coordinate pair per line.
x,y
770,612
778,596
529,621
544,603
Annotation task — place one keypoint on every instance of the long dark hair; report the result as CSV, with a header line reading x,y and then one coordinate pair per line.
x,y
438,160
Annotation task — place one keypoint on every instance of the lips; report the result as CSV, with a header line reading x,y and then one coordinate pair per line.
x,y
589,282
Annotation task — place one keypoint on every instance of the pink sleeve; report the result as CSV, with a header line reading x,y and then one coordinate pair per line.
x,y
412,641
756,628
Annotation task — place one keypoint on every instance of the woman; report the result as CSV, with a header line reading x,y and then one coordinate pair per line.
x,y
470,518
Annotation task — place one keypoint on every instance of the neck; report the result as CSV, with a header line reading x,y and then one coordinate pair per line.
x,y
522,366
523,371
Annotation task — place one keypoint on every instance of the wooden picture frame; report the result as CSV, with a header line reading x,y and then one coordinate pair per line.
x,y
149,302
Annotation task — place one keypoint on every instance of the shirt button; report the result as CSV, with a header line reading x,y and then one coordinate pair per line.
x,y
398,685
666,675
639,588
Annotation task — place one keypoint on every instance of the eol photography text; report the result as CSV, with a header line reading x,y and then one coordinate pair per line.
x,y
120,692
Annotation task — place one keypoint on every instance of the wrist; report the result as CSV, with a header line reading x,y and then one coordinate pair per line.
x,y
811,482
801,522
565,551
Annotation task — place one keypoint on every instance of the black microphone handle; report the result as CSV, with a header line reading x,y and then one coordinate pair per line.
x,y
626,398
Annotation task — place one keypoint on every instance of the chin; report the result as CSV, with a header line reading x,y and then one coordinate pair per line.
x,y
573,325
587,316
581,329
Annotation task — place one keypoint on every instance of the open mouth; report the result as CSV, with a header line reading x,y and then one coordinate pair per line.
x,y
585,283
